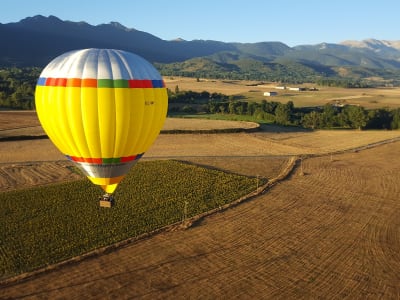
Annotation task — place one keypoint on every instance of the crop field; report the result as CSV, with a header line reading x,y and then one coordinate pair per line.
x,y
66,221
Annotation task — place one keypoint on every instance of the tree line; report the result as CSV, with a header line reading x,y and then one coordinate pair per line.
x,y
17,87
328,116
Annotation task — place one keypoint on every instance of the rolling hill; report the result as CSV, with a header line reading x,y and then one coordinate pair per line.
x,y
34,41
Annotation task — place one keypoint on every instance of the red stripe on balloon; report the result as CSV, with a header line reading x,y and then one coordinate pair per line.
x,y
100,161
128,158
135,83
89,82
73,82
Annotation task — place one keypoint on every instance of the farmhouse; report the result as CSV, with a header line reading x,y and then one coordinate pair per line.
x,y
270,94
297,89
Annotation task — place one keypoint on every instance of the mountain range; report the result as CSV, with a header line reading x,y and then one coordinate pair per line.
x,y
34,41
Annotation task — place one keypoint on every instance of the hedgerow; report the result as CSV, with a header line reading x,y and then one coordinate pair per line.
x,y
48,224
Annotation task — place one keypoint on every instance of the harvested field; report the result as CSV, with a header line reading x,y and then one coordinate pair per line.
x,y
17,119
332,233
202,125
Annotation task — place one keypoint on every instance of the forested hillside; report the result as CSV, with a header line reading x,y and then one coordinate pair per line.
x,y
371,62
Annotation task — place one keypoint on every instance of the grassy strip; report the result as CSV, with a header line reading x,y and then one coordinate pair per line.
x,y
45,225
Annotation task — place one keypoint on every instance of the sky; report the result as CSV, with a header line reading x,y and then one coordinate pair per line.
x,y
293,22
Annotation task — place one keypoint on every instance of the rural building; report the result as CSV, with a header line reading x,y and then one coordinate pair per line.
x,y
269,94
280,87
297,89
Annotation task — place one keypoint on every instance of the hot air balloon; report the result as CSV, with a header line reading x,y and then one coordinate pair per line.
x,y
103,109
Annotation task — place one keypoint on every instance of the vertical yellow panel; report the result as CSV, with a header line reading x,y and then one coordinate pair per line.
x,y
147,122
90,121
134,126
50,108
59,112
158,117
123,109
106,111
44,107
72,117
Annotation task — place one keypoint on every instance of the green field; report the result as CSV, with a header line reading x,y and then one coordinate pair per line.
x,y
44,225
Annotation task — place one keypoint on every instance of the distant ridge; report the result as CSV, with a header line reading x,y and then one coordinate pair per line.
x,y
34,41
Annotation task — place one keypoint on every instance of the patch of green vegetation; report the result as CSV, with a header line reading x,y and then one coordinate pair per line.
x,y
44,225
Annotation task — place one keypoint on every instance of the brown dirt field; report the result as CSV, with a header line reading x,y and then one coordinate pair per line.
x,y
332,233
18,119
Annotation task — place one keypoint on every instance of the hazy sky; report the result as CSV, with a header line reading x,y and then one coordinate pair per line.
x,y
293,22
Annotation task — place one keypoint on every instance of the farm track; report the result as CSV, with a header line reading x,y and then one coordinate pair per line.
x,y
331,233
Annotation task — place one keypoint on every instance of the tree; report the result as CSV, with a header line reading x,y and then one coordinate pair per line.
x,y
251,108
241,108
357,116
395,124
328,116
264,104
282,114
231,108
379,119
312,120
212,107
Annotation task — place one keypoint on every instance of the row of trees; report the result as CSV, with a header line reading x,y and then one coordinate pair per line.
x,y
345,83
17,87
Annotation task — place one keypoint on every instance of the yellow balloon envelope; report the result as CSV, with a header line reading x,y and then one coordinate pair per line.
x,y
103,109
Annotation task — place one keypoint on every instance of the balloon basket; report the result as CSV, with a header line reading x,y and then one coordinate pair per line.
x,y
106,201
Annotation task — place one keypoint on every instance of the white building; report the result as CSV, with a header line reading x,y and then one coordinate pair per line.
x,y
297,89
270,94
